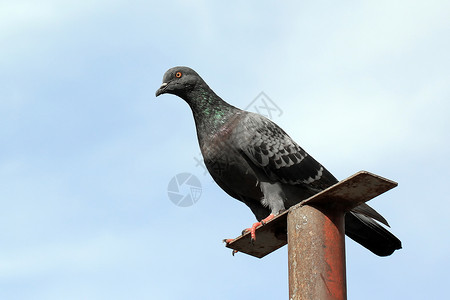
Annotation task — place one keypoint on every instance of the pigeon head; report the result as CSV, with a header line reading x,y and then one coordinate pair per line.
x,y
179,81
209,110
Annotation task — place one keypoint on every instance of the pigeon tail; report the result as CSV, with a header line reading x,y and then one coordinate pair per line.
x,y
370,234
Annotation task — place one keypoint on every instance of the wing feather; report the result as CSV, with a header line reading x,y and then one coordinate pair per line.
x,y
272,149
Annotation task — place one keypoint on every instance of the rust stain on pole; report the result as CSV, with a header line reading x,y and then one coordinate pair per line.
x,y
316,252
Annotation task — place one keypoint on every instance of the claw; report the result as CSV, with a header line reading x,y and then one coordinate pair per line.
x,y
252,230
270,217
227,241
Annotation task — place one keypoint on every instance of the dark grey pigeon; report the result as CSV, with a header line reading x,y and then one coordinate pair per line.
x,y
253,160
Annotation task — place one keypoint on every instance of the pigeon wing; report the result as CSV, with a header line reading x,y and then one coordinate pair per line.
x,y
270,148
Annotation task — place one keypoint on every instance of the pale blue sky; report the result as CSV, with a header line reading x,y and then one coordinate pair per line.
x,y
87,151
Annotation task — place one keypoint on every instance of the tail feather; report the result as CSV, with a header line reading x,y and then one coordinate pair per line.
x,y
370,234
368,211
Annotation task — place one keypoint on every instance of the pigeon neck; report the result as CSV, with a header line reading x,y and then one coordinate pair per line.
x,y
209,110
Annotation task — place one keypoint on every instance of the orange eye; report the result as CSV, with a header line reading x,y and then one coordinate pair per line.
x,y
178,74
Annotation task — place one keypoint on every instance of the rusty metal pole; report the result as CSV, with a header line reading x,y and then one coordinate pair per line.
x,y
315,236
316,250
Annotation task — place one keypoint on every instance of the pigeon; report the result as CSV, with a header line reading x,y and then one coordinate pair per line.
x,y
256,162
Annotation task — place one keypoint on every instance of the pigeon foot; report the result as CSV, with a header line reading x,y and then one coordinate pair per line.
x,y
227,241
252,230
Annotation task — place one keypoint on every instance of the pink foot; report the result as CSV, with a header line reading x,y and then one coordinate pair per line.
x,y
270,217
252,230
227,241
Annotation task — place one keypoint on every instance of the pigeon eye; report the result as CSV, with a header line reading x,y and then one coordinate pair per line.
x,y
178,74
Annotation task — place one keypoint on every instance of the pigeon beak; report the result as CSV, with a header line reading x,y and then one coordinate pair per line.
x,y
161,89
